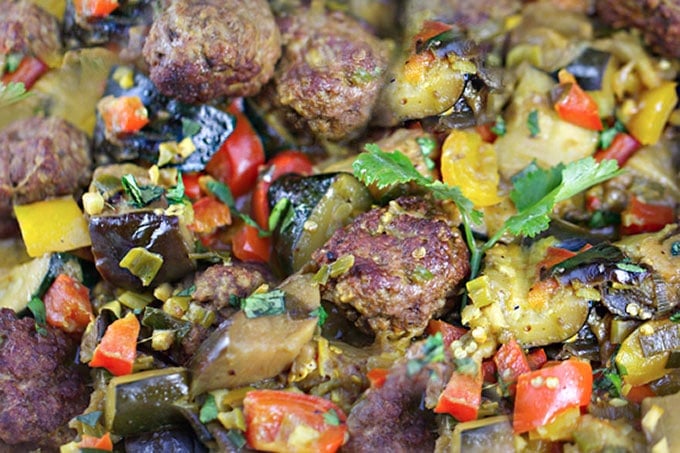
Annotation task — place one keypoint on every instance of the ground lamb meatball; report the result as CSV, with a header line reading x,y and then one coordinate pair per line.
x,y
41,388
659,21
27,29
199,50
408,259
330,74
40,158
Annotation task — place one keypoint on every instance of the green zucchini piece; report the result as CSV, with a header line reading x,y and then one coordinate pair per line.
x,y
321,204
146,401
32,278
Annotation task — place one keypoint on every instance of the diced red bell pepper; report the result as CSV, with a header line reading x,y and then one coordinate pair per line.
x,y
575,105
377,376
462,396
511,362
117,349
450,333
67,305
248,245
641,217
28,72
192,188
95,8
103,443
537,358
622,148
209,214
123,115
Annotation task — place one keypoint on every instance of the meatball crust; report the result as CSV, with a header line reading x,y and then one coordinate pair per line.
x,y
658,20
27,29
41,388
408,259
40,158
199,50
330,74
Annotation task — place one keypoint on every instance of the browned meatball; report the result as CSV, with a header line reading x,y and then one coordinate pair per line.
x,y
41,388
408,259
659,21
199,50
330,73
27,29
40,158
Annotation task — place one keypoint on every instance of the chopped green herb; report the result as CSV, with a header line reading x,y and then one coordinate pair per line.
x,y
223,193
466,365
140,195
601,219
331,418
532,123
12,61
209,410
235,301
175,195
90,419
630,267
499,128
37,309
675,248
264,304
190,127
427,148
281,215
433,351
321,314
12,92
606,137
187,291
422,274
236,438
675,317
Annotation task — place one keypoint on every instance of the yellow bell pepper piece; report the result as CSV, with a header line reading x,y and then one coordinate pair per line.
x,y
55,225
640,369
472,165
655,108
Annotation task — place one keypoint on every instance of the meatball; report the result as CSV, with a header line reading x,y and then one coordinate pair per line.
x,y
408,259
330,74
217,284
27,29
198,50
658,20
41,388
39,158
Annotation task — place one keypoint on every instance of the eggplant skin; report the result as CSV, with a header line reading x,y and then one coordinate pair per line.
x,y
114,235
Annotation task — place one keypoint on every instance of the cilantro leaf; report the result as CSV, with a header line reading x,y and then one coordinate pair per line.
x,y
606,137
209,410
12,92
533,183
175,195
12,61
331,417
532,123
499,128
223,193
140,195
321,314
264,304
37,309
190,127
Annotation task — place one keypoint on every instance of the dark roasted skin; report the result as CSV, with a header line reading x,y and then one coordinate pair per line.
x,y
199,50
27,29
658,20
41,388
330,73
40,158
408,259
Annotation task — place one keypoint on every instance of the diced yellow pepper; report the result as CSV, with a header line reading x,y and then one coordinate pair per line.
x,y
638,368
55,225
654,110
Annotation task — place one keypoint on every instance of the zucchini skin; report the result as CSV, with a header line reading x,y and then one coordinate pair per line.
x,y
320,205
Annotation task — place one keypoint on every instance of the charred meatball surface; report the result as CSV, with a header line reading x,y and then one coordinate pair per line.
x,y
330,74
41,388
658,20
408,259
40,158
199,50
27,29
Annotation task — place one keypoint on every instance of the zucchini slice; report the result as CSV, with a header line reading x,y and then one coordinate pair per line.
x,y
320,205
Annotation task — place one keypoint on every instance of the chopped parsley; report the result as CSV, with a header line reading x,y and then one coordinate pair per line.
x,y
630,267
675,317
37,309
12,92
223,193
190,127
140,195
331,417
90,419
532,123
175,195
209,410
321,314
187,291
262,304
675,248
433,351
499,128
466,365
606,137
12,61
427,148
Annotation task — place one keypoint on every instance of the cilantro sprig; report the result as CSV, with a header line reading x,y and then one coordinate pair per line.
x,y
535,192
12,92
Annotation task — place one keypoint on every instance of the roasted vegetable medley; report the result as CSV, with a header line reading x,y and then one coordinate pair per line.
x,y
355,226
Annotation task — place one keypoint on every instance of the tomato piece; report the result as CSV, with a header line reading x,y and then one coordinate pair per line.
x,y
237,161
575,105
123,115
117,349
209,214
283,163
511,362
67,305
282,421
450,333
462,396
103,443
641,217
472,165
377,377
192,188
622,148
544,393
28,72
95,8
537,358
248,245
